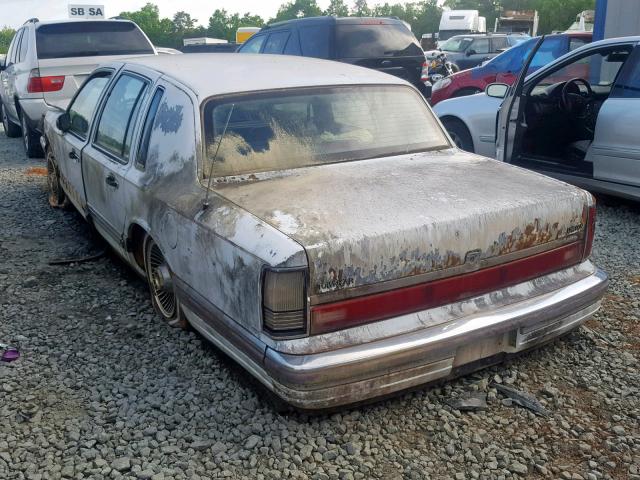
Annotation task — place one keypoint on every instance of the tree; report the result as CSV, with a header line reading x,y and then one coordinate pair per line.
x,y
6,34
298,9
337,8
361,9
160,31
183,22
222,25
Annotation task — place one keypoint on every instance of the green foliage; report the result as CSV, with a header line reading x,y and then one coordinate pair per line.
x,y
337,8
6,34
423,16
297,9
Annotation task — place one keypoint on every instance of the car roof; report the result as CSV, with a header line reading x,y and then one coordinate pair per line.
x,y
223,73
334,20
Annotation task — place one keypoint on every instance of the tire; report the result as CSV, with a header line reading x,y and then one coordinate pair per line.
x,y
57,197
459,133
11,130
31,140
160,278
464,92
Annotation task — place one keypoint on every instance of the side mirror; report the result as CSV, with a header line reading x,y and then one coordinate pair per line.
x,y
470,52
64,122
497,90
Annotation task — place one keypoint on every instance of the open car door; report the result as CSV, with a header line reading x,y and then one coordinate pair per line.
x,y
509,115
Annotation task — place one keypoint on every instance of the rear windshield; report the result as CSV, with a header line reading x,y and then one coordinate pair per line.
x,y
304,127
90,39
373,41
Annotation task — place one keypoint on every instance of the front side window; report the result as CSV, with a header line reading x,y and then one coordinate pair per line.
x,y
599,69
304,127
84,105
118,116
276,42
457,44
253,45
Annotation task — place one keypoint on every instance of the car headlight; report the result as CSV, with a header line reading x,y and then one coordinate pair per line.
x,y
442,83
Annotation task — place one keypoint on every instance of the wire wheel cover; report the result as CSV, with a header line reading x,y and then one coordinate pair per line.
x,y
161,282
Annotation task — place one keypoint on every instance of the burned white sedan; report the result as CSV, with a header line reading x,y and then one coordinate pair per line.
x,y
313,220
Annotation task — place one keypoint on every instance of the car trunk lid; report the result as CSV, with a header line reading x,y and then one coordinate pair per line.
x,y
379,223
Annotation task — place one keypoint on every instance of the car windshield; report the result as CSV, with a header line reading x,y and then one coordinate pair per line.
x,y
456,44
304,127
90,39
377,40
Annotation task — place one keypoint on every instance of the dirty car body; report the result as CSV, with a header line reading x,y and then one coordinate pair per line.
x,y
335,262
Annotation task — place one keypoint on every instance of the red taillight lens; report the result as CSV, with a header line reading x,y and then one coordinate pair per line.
x,y
590,230
45,84
371,308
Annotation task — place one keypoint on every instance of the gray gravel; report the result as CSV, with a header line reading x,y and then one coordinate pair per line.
x,y
104,390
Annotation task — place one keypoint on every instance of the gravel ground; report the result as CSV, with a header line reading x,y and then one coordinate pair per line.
x,y
105,390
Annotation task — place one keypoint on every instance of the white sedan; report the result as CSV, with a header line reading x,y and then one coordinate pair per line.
x,y
471,122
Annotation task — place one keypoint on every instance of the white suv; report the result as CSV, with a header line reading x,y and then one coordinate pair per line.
x,y
48,61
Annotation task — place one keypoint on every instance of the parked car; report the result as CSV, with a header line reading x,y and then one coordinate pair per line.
x,y
505,67
48,61
210,48
167,51
308,224
383,44
582,129
468,51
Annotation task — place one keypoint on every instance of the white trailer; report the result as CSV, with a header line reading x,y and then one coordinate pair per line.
x,y
460,22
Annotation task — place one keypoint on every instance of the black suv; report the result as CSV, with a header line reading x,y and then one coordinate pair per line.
x,y
384,44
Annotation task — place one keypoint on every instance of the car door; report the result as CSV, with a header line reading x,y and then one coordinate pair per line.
x,y
106,158
509,114
8,75
615,151
475,54
68,147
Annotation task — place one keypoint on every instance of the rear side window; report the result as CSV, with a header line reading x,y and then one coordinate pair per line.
x,y
480,45
314,41
13,48
143,151
24,44
84,105
500,43
90,39
628,85
118,116
253,45
374,41
276,42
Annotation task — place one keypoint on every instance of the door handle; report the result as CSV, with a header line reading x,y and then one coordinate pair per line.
x,y
73,155
111,180
386,63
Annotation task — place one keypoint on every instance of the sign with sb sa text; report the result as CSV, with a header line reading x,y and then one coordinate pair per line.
x,y
86,11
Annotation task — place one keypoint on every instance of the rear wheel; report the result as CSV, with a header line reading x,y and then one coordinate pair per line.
x,y
31,139
57,197
459,133
160,278
11,130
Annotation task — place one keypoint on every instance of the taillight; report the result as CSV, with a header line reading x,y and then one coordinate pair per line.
x,y
590,229
424,76
284,302
38,84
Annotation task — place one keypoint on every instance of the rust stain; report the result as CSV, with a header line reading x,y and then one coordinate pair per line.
x,y
37,171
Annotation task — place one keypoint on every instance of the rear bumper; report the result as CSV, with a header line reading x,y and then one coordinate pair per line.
x,y
372,361
34,110
376,369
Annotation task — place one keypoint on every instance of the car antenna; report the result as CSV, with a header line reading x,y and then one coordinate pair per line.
x,y
205,205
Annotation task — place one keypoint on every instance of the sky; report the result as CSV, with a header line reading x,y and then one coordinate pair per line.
x,y
14,12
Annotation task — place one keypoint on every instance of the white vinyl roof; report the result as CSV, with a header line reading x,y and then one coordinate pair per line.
x,y
209,74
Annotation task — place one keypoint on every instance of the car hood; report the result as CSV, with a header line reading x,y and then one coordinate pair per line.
x,y
378,220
